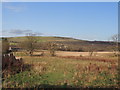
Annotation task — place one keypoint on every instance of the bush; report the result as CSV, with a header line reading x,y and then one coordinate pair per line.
x,y
5,46
11,65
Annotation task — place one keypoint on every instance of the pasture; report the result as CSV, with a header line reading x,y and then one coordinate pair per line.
x,y
66,69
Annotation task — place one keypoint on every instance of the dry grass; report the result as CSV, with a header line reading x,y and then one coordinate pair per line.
x,y
66,53
65,71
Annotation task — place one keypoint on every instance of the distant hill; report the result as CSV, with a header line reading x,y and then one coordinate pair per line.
x,y
43,39
71,43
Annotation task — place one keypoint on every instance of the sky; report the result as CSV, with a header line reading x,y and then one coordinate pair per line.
x,y
80,20
60,0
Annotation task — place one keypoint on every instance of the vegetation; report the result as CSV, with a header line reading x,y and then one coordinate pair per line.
x,y
115,39
29,44
69,43
52,47
64,72
5,46
46,71
14,66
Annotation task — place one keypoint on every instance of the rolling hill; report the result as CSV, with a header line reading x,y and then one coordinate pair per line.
x,y
71,43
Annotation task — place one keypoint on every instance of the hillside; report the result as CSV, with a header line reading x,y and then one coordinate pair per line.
x,y
43,39
71,43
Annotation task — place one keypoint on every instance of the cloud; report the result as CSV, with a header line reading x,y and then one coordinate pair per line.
x,y
15,8
19,32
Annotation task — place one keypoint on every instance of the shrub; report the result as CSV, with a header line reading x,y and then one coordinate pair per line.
x,y
11,65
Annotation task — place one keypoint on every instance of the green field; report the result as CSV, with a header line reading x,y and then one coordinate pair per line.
x,y
46,71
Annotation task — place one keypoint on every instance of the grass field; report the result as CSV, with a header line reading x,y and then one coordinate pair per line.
x,y
46,71
43,39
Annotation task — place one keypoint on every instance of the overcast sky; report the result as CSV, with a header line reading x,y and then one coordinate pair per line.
x,y
81,20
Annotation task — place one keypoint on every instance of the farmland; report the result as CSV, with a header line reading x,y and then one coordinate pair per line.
x,y
72,67
64,71
52,45
71,43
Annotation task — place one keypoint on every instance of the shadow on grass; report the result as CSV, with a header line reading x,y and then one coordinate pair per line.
x,y
65,86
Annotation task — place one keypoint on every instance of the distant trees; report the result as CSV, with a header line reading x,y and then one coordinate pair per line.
x,y
30,44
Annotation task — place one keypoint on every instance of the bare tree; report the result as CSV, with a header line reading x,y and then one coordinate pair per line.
x,y
92,51
52,48
30,44
115,38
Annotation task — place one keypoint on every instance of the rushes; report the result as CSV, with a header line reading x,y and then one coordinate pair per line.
x,y
96,75
65,72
